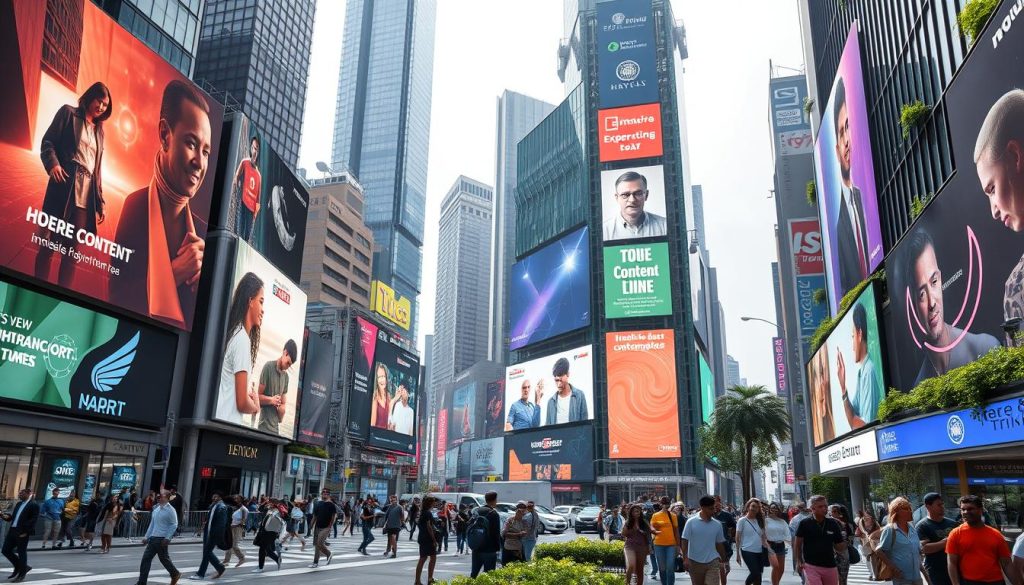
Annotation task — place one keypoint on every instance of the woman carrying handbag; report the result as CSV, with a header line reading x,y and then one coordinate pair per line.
x,y
267,534
867,532
753,542
667,547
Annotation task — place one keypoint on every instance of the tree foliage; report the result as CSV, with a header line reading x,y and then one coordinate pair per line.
x,y
900,479
973,17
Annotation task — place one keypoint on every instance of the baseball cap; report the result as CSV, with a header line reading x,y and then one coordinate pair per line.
x,y
930,498
521,504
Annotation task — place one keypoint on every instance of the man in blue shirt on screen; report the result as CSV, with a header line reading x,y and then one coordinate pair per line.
x,y
864,407
523,414
569,404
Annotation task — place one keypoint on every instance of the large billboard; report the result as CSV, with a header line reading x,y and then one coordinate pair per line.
x,y
487,459
109,156
550,292
461,420
395,381
633,203
847,199
552,390
791,123
999,423
562,454
364,342
845,375
494,414
388,304
707,388
629,133
957,276
265,204
643,403
317,382
262,343
626,54
60,357
637,281
808,276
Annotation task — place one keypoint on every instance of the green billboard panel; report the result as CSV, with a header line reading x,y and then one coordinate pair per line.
x,y
707,388
636,281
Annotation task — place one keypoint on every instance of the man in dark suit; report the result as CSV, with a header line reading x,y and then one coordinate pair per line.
x,y
850,232
23,519
213,537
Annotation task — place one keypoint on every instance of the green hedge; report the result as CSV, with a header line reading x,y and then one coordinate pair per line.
x,y
542,572
584,551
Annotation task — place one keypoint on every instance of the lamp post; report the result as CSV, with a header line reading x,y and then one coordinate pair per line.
x,y
772,323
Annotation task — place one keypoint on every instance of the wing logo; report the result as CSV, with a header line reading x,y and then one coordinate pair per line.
x,y
112,369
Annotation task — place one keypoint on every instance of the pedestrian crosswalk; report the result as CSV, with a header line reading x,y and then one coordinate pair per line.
x,y
860,575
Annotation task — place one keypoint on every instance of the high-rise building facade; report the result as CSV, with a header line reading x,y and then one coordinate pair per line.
x,y
518,114
732,373
382,129
169,27
258,52
463,276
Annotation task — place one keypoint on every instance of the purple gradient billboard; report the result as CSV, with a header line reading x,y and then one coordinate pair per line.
x,y
847,199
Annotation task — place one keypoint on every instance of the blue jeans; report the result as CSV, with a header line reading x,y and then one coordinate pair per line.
x,y
367,535
666,562
528,544
483,560
460,541
209,558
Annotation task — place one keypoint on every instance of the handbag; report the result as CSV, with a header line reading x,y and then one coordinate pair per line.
x,y
885,571
680,565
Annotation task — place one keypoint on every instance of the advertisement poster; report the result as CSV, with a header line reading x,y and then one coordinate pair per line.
x,y
63,358
90,488
707,388
958,274
643,404
487,459
846,374
629,133
808,274
562,454
552,390
265,204
791,124
633,203
396,376
779,364
317,382
997,423
626,58
263,338
95,227
362,363
847,200
388,304
494,417
637,281
123,478
460,421
550,290
442,434
63,477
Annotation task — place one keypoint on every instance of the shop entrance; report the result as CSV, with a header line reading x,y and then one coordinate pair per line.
x,y
230,481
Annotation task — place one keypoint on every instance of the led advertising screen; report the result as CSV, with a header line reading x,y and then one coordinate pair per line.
x,y
707,388
643,403
487,459
262,344
550,290
791,124
317,380
626,57
629,133
265,204
61,357
562,454
395,378
463,410
494,416
847,200
551,390
808,275
845,375
633,203
364,346
958,274
996,423
63,477
637,281
110,155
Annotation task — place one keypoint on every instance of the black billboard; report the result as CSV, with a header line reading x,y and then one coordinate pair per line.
x,y
315,399
551,454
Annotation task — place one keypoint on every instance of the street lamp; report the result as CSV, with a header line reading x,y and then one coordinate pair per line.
x,y
773,324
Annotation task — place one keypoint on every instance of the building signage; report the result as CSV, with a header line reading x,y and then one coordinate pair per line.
x,y
626,57
63,477
809,276
779,351
790,122
387,303
127,448
123,477
634,479
857,450
636,281
218,449
628,133
997,423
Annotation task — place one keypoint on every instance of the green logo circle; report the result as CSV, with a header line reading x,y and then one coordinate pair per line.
x,y
613,46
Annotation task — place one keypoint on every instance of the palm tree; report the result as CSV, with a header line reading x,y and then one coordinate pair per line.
x,y
748,417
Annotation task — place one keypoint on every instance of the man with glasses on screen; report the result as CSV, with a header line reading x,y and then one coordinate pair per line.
x,y
523,414
632,221
864,407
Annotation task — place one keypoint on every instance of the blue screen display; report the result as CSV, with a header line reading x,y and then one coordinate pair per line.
x,y
626,57
999,422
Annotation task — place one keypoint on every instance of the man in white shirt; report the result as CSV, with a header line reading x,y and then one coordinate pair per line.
x,y
569,404
402,415
632,221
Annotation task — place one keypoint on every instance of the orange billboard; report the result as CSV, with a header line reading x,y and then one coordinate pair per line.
x,y
643,419
631,132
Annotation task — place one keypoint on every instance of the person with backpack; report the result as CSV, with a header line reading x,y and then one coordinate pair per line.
x,y
461,521
267,534
217,524
293,527
366,516
483,535
613,523
238,516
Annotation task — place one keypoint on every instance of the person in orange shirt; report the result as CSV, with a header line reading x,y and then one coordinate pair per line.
x,y
666,526
977,554
247,183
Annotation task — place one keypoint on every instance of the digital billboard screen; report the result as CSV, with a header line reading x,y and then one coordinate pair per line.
x,y
957,275
262,343
559,454
626,58
633,203
395,377
550,290
364,343
707,388
846,374
994,424
643,403
317,382
551,390
847,199
110,155
61,357
637,282
494,415
488,458
463,410
629,133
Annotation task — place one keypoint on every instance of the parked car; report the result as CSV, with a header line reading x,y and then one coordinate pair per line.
x,y
549,521
569,513
588,519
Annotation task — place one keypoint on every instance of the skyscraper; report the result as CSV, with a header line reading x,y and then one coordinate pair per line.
x,y
169,27
517,115
732,373
259,53
460,315
382,128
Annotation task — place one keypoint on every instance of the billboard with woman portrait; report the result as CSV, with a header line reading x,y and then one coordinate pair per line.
x,y
394,398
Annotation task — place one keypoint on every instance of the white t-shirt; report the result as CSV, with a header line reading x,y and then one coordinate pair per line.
x,y
1018,547
403,417
236,359
749,534
778,529
562,414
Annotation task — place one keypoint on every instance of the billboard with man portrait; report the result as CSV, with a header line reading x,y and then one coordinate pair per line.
x,y
633,203
395,396
551,390
109,155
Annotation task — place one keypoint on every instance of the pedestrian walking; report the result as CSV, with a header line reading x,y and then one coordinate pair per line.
x,y
239,515
92,516
69,520
613,522
461,521
443,525
899,545
666,524
349,511
414,516
22,518
728,521
777,530
600,521
839,513
163,523
108,520
293,527
52,510
818,539
366,516
802,513
217,522
427,540
532,521
934,532
512,534
325,513
752,541
636,533
868,532
703,545
307,509
178,504
267,534
483,534
394,519
977,553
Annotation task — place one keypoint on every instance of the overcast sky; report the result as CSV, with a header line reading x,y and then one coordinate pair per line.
x,y
486,46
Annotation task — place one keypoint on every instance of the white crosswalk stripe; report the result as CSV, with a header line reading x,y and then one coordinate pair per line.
x,y
859,575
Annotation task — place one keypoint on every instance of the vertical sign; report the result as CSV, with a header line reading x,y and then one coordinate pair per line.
x,y
626,58
808,274
779,352
792,125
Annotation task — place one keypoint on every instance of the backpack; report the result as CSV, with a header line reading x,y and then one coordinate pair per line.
x,y
477,531
297,513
